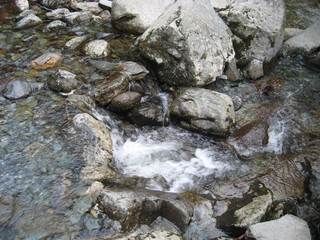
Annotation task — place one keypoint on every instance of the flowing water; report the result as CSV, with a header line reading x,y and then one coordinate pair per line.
x,y
41,192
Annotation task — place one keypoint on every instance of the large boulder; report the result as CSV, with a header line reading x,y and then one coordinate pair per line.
x,y
286,227
189,45
137,15
258,26
204,111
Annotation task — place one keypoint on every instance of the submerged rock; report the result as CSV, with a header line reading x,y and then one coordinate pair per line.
x,y
136,16
97,49
97,151
188,45
204,111
56,25
47,60
64,81
17,89
75,42
286,227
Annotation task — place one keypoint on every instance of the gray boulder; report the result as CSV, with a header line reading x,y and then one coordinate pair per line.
x,y
30,20
137,15
258,26
189,45
286,227
64,81
97,150
17,89
204,111
305,42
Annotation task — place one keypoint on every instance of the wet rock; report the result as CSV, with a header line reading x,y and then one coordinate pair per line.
x,y
107,89
156,234
136,16
251,135
135,70
205,111
56,25
291,32
254,69
97,153
286,227
232,72
82,102
242,212
150,112
258,27
188,45
17,89
203,224
56,3
92,7
22,5
97,49
73,43
313,60
306,42
106,4
30,20
254,211
64,81
75,18
45,61
132,207
105,16
57,14
25,13
6,209
125,102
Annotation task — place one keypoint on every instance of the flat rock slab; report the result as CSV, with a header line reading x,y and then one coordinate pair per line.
x,y
284,228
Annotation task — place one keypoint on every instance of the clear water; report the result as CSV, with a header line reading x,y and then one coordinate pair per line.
x,y
40,163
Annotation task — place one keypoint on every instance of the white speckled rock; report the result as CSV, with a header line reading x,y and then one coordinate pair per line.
x,y
97,49
284,228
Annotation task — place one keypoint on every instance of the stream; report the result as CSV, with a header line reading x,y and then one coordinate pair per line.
x,y
41,191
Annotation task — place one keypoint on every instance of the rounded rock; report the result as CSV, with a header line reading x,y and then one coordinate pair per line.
x,y
17,89
97,49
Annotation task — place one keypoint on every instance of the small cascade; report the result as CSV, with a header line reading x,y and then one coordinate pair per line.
x,y
164,97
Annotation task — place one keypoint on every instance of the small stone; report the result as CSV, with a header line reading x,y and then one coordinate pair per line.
x,y
64,81
45,61
17,89
125,101
232,72
24,14
56,25
92,7
28,21
75,42
255,69
77,17
97,49
105,4
22,5
57,14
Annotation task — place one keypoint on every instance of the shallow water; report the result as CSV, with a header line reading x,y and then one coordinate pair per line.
x,y
40,164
